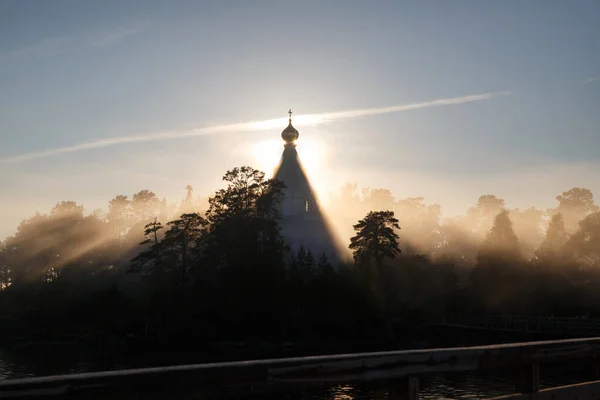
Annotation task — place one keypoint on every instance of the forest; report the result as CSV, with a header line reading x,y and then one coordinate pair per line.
x,y
212,270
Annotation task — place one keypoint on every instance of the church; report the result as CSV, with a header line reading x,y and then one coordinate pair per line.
x,y
302,223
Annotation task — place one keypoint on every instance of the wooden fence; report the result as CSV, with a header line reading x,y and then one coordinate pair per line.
x,y
578,327
399,370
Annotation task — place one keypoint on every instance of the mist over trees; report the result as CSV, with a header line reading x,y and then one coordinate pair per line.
x,y
217,268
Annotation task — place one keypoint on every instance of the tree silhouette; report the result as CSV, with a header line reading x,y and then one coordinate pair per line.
x,y
584,245
481,216
574,205
375,238
180,248
323,265
456,245
46,246
5,275
222,276
303,267
527,225
500,243
244,220
420,224
183,243
551,249
119,216
378,199
149,260
498,267
245,248
190,204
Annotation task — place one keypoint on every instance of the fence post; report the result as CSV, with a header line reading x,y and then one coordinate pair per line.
x,y
528,379
405,389
596,367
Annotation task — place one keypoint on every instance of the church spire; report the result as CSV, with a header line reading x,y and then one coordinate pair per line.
x,y
290,134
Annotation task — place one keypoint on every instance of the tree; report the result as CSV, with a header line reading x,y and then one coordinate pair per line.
x,y
303,267
575,204
45,246
481,216
378,199
5,278
501,243
456,245
551,249
145,206
527,225
245,249
244,220
119,216
179,249
324,266
420,224
183,243
191,203
375,238
149,260
67,209
584,245
492,281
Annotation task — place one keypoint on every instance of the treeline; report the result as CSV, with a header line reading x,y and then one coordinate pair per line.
x,y
219,269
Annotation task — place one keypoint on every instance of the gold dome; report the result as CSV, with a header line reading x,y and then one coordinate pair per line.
x,y
290,134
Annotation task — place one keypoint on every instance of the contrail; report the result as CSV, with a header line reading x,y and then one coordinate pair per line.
x,y
300,120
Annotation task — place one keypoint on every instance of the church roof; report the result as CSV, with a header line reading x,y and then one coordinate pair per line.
x,y
290,134
291,172
303,222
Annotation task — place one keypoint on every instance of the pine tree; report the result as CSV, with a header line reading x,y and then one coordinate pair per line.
x,y
183,244
244,221
583,247
501,242
324,265
375,238
550,251
303,267
148,261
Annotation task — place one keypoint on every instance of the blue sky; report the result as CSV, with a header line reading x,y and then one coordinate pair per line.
x,y
73,72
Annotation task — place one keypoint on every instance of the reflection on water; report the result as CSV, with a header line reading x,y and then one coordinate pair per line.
x,y
435,387
467,386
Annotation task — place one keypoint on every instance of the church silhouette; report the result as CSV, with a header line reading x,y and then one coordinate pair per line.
x,y
303,223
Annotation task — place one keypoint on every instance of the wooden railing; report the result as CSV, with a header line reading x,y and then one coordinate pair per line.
x,y
578,327
400,370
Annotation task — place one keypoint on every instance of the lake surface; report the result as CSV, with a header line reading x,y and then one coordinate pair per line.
x,y
30,363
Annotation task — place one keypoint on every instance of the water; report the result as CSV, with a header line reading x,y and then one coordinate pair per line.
x,y
470,385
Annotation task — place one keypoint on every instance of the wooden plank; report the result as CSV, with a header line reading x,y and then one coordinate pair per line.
x,y
528,379
392,365
579,391
405,389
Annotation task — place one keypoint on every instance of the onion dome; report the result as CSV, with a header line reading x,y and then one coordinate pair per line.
x,y
290,134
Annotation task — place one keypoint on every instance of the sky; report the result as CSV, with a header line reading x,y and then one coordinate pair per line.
x,y
442,99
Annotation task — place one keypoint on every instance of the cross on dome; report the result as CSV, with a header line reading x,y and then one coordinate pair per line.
x,y
290,134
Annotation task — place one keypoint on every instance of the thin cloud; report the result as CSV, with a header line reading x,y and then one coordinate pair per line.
x,y
118,35
406,107
52,46
42,49
300,120
593,79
